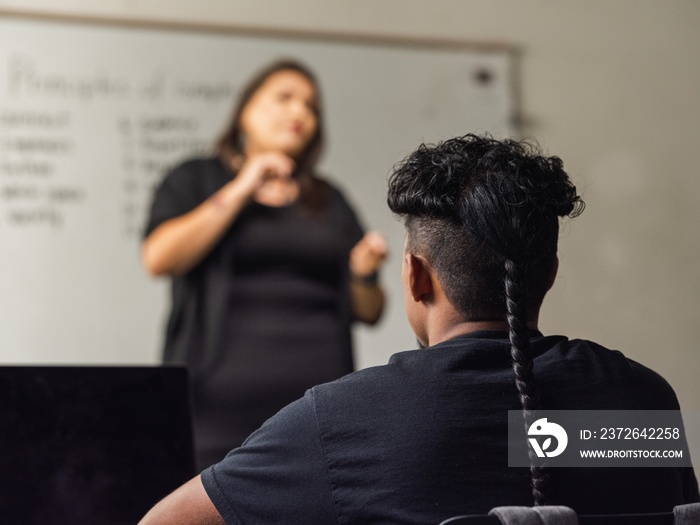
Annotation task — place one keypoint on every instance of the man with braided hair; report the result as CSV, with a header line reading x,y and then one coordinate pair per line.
x,y
424,437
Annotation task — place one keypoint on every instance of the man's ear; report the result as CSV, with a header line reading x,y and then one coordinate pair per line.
x,y
420,278
553,275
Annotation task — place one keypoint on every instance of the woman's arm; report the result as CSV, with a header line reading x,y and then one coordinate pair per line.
x,y
367,297
367,302
178,245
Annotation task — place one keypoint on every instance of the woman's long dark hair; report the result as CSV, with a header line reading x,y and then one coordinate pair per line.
x,y
230,144
485,213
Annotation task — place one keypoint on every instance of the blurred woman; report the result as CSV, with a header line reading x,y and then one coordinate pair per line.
x,y
269,263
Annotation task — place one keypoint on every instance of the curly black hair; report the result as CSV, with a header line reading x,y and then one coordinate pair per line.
x,y
485,214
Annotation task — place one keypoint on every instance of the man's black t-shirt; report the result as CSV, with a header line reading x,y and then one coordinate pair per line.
x,y
424,438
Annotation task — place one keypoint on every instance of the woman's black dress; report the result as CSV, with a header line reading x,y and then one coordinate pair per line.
x,y
265,316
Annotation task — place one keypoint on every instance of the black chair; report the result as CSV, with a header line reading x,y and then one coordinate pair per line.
x,y
664,518
682,515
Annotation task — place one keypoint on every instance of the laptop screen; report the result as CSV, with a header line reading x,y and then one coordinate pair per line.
x,y
92,445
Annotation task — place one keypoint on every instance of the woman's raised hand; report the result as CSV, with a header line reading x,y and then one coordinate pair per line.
x,y
266,178
368,255
367,297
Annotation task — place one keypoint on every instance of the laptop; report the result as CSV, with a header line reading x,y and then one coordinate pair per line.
x,y
96,445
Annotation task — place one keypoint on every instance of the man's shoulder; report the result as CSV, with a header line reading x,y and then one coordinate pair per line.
x,y
614,359
358,387
358,380
606,370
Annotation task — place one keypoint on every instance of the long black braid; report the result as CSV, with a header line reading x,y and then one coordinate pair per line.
x,y
516,303
486,214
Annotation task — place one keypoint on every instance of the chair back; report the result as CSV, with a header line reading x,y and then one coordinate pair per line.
x,y
688,514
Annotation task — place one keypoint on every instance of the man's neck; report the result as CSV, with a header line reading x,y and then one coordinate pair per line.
x,y
453,330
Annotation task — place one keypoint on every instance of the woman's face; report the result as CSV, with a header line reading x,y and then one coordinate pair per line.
x,y
281,116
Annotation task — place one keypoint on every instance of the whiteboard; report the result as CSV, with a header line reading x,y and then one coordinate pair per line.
x,y
92,117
